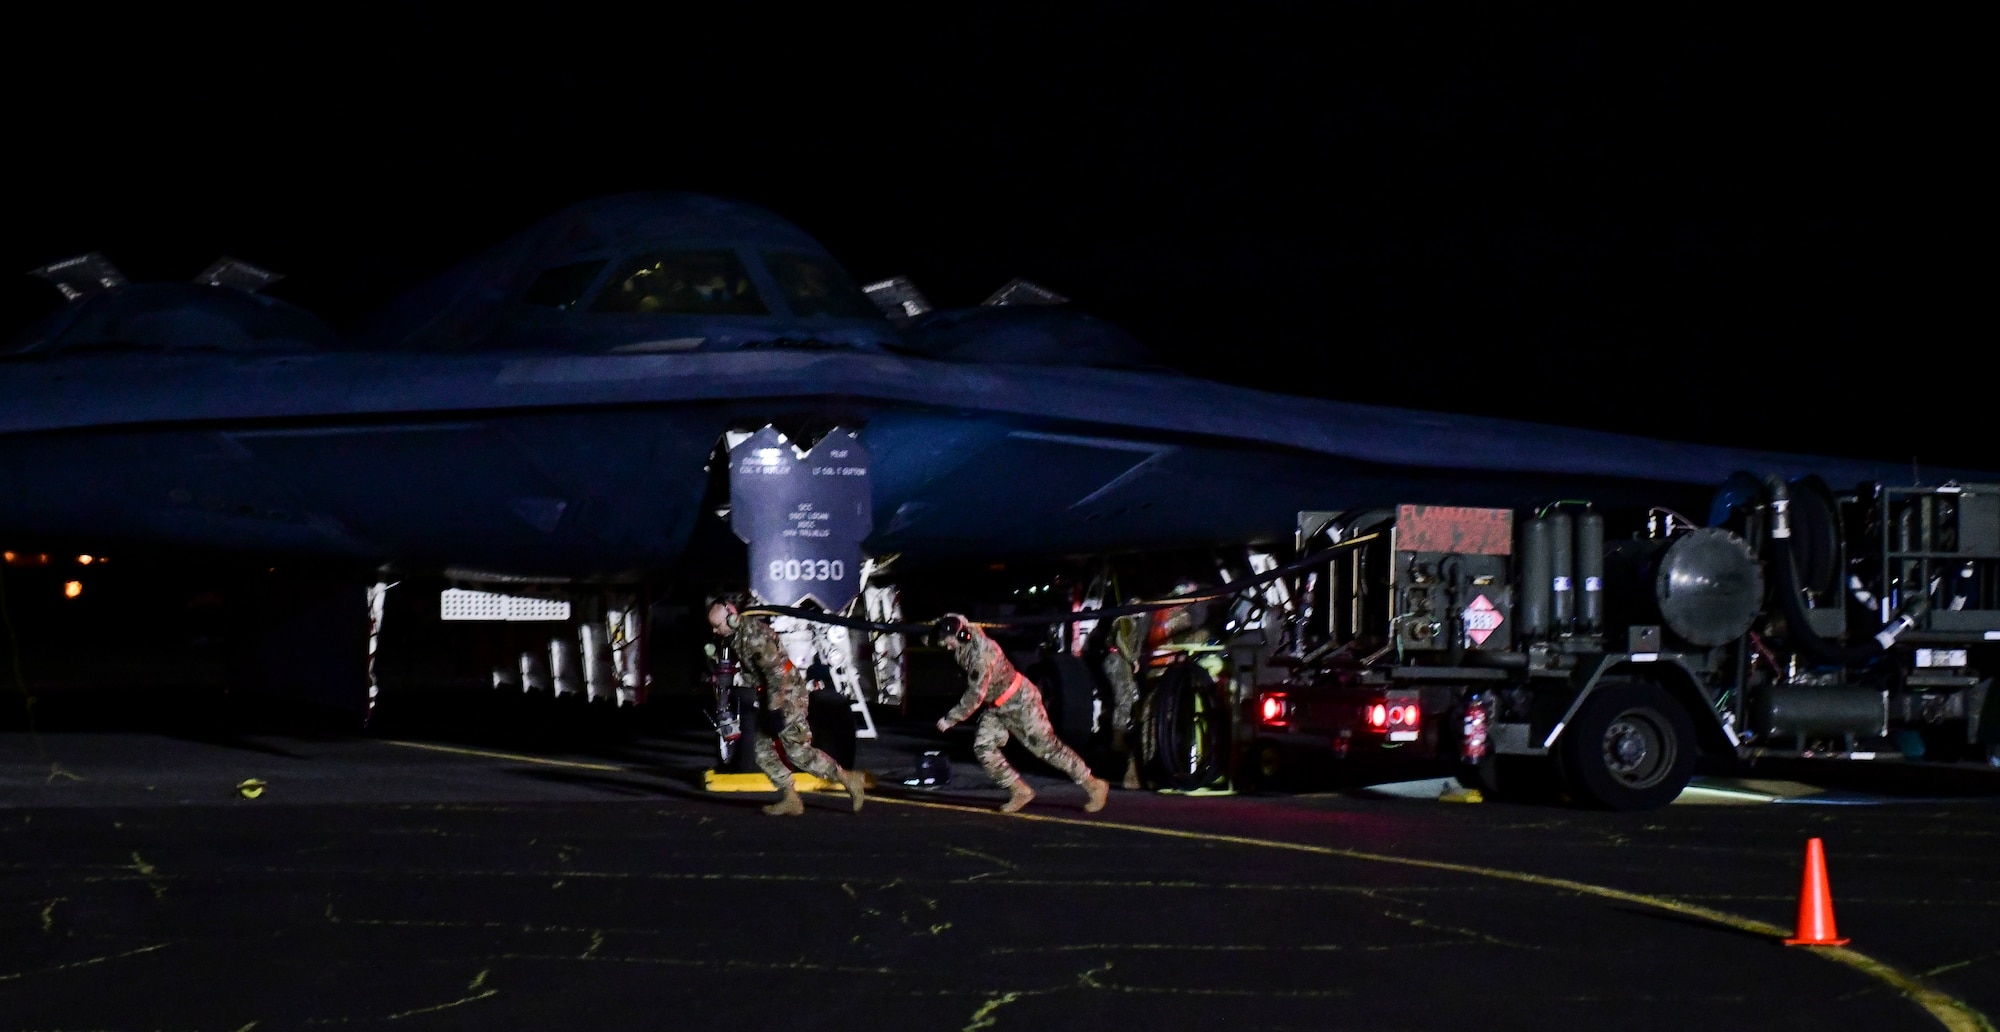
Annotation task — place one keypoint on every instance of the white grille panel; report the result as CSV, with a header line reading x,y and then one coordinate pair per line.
x,y
466,604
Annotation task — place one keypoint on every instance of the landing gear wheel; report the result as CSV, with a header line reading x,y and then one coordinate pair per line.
x,y
1631,748
736,753
830,716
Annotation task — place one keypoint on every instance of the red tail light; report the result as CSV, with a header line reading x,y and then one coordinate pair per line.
x,y
1273,709
1400,717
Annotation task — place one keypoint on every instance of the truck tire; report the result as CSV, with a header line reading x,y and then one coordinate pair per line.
x,y
1264,767
1631,748
1514,779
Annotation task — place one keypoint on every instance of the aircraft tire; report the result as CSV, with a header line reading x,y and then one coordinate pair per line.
x,y
831,717
743,759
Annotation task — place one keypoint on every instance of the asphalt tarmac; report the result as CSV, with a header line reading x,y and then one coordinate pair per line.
x,y
422,882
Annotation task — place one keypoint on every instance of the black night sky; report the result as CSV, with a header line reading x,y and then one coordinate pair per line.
x,y
1745,230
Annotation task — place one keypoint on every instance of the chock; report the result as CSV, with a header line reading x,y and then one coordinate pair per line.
x,y
757,781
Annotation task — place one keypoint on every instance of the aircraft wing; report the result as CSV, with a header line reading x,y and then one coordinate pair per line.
x,y
350,387
589,463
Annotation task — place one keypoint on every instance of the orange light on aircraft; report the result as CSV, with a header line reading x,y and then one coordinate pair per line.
x,y
72,589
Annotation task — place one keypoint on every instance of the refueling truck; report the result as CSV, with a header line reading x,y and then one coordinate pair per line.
x,y
1596,655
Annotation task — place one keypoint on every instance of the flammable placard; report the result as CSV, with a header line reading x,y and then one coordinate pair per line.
x,y
1454,528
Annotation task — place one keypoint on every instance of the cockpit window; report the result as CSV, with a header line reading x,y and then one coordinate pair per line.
x,y
562,286
813,285
681,282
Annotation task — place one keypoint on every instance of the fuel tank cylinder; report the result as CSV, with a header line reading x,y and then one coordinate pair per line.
x,y
1537,572
1562,574
1589,572
1821,709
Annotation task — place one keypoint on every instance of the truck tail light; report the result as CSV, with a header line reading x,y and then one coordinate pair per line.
x,y
1398,717
1273,709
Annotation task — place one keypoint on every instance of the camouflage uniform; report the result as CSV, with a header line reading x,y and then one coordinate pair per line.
x,y
1016,710
787,696
1122,658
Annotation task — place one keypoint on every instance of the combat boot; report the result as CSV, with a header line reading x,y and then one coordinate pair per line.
x,y
788,805
1096,790
1018,795
853,781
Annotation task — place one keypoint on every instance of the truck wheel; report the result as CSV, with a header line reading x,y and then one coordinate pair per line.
x,y
1514,779
1947,744
1262,767
1631,748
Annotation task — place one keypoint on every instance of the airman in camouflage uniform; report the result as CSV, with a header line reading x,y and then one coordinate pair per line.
x,y
787,696
1013,707
1123,655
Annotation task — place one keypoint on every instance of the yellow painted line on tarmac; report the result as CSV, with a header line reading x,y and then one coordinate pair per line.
x,y
1950,1012
516,757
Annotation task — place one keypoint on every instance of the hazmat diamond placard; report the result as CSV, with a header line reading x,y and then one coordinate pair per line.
x,y
1482,618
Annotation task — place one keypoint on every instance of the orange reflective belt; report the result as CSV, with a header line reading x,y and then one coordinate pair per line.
x,y
1012,687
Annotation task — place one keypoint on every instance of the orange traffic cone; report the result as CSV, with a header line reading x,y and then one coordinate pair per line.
x,y
1816,903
